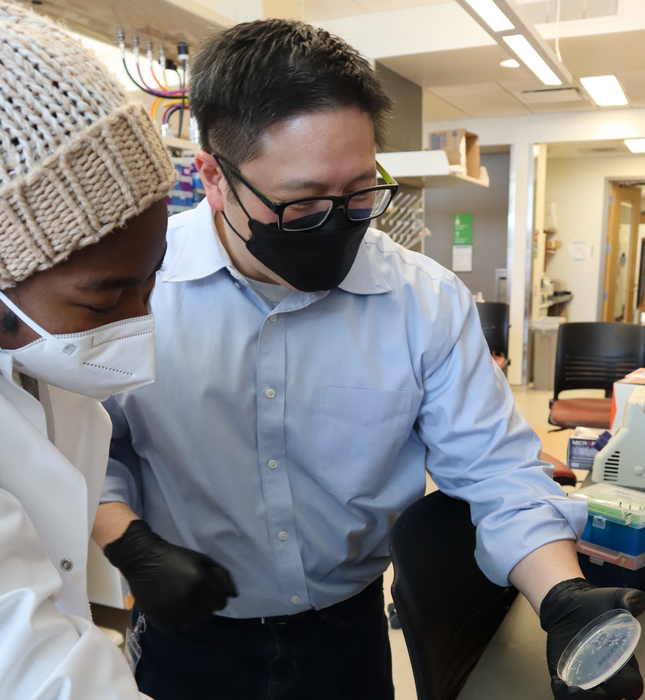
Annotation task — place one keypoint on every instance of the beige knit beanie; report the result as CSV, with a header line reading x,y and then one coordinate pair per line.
x,y
76,160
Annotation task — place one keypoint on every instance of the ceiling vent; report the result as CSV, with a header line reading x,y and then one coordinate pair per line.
x,y
545,11
549,95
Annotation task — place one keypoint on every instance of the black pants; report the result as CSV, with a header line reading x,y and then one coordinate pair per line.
x,y
339,653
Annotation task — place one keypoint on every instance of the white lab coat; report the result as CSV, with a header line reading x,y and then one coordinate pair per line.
x,y
53,456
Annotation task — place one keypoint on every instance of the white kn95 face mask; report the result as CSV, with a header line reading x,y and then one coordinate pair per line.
x,y
97,363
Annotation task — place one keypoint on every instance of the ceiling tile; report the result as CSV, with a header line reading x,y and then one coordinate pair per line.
x,y
463,66
320,10
384,5
437,110
582,106
482,100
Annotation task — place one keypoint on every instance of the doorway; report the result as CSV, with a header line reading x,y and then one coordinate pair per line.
x,y
620,299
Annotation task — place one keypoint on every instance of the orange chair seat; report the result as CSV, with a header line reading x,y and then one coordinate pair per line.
x,y
561,473
590,413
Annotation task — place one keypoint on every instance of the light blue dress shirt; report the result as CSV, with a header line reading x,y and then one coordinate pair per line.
x,y
284,442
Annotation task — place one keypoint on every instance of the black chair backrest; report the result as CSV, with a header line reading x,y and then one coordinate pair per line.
x,y
494,319
595,355
448,609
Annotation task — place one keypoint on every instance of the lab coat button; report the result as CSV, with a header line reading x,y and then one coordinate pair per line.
x,y
273,317
283,535
295,598
639,471
66,565
273,464
270,393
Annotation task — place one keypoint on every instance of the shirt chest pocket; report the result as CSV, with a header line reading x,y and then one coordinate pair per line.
x,y
360,433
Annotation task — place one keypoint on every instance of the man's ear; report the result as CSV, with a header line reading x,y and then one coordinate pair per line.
x,y
212,178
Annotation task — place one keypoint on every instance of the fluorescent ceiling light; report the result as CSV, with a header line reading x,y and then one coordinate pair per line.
x,y
605,90
635,145
491,14
520,45
509,63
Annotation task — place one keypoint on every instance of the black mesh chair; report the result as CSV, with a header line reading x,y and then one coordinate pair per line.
x,y
494,319
593,356
447,608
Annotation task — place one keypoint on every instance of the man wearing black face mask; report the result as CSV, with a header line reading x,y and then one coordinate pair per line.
x,y
309,372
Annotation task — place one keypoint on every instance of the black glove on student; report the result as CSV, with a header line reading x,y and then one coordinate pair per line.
x,y
565,610
175,588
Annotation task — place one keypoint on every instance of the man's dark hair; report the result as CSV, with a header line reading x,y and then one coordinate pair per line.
x,y
257,74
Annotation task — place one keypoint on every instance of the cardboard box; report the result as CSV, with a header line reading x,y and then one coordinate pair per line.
x,y
622,391
580,450
461,147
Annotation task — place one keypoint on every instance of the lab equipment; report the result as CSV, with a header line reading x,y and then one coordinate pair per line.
x,y
600,649
616,518
622,460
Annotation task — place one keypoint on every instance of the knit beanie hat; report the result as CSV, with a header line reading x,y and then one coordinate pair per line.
x,y
76,160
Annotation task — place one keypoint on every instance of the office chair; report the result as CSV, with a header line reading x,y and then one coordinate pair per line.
x,y
561,473
593,356
447,608
494,319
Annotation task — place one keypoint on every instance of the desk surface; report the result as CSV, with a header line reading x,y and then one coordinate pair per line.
x,y
513,667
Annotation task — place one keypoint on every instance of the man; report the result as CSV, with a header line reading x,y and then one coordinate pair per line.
x,y
310,370
83,177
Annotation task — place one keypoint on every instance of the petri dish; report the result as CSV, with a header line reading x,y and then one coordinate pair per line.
x,y
600,649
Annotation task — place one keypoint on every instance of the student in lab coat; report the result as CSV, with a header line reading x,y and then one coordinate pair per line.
x,y
83,177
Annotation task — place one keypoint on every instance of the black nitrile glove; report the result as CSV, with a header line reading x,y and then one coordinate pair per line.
x,y
175,588
565,610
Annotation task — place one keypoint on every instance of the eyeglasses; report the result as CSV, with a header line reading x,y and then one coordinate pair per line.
x,y
311,212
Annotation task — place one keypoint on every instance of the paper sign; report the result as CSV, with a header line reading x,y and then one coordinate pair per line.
x,y
462,229
462,258
579,250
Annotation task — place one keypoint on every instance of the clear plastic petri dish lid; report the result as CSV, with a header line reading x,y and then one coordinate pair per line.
x,y
600,649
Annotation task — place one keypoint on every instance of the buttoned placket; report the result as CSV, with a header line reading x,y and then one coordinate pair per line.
x,y
271,386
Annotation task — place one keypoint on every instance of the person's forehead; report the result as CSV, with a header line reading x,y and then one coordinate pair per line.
x,y
317,148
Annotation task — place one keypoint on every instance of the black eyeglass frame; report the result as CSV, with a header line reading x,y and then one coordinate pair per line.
x,y
278,208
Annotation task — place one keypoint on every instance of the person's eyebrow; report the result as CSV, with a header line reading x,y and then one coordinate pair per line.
x,y
109,283
301,184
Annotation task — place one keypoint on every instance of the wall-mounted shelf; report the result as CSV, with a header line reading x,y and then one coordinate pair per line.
x,y
428,169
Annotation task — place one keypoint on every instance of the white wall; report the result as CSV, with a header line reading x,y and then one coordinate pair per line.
x,y
521,133
578,185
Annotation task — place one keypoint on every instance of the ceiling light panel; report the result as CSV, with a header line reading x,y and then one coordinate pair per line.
x,y
492,15
635,145
520,46
506,22
509,63
605,90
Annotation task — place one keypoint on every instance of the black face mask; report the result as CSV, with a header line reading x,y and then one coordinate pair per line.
x,y
310,261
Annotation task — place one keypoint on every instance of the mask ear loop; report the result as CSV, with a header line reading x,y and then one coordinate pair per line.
x,y
239,201
68,349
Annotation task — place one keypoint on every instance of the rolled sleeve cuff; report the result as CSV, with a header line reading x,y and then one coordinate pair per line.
x,y
120,486
505,537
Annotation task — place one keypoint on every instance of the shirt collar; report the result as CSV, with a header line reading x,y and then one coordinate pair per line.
x,y
201,254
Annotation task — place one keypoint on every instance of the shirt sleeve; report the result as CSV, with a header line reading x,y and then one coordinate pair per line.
x,y
482,451
44,653
123,477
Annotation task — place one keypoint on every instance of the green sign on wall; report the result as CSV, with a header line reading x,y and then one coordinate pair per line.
x,y
462,229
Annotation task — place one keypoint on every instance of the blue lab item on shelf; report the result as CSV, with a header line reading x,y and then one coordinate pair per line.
x,y
616,518
606,567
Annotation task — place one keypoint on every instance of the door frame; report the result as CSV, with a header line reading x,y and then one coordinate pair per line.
x,y
605,304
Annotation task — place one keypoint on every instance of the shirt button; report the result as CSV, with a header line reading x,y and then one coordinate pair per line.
x,y
237,284
66,565
295,598
273,317
270,393
283,535
273,464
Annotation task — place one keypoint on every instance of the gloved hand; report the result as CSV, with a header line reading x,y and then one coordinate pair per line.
x,y
565,610
175,588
